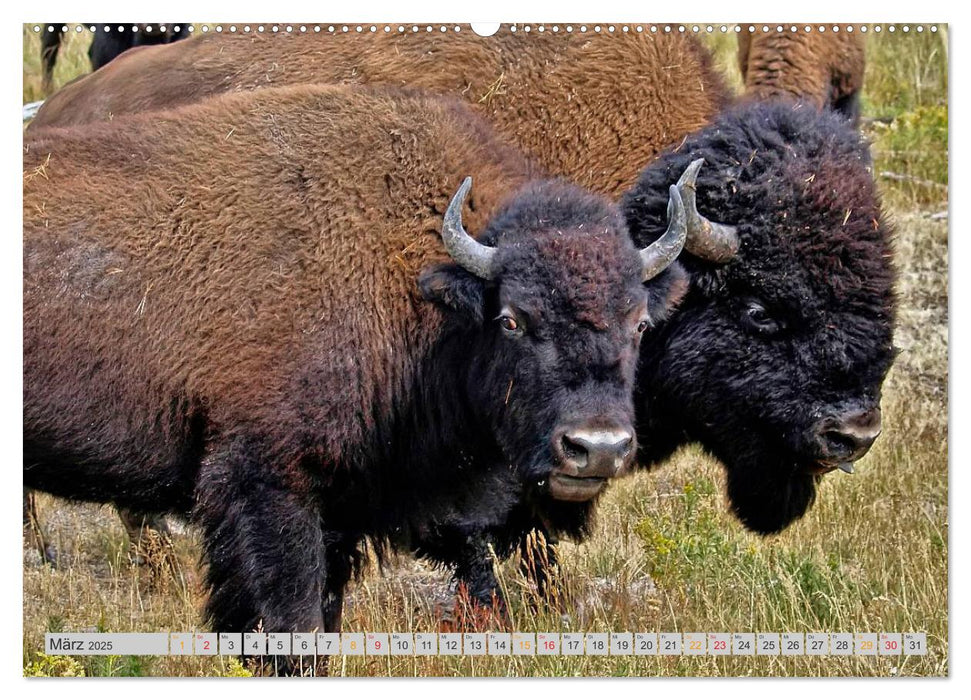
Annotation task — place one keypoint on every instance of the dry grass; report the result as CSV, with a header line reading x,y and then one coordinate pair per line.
x,y
665,555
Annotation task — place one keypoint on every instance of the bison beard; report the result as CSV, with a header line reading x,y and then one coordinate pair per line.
x,y
289,383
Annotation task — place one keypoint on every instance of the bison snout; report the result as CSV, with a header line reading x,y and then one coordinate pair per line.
x,y
849,436
595,453
588,458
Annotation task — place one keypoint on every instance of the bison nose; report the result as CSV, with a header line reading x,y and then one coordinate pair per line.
x,y
596,453
849,436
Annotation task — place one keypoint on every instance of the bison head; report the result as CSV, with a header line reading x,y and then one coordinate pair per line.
x,y
549,306
776,358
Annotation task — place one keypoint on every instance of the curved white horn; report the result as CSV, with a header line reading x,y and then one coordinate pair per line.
x,y
475,257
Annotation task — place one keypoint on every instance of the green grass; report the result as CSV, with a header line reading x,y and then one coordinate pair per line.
x,y
665,553
906,84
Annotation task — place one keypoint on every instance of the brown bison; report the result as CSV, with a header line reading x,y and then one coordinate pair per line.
x,y
824,69
241,311
555,96
594,107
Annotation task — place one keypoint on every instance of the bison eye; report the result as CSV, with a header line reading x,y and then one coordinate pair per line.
x,y
509,324
757,317
643,326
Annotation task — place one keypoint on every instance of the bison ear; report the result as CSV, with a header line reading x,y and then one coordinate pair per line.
x,y
454,288
666,291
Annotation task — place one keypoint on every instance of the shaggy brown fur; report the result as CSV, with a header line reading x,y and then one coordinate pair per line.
x,y
222,316
595,107
108,255
823,68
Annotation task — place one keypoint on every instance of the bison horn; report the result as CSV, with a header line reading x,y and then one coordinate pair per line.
x,y
662,252
706,239
475,257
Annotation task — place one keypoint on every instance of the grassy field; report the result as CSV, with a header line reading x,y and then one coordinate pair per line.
x,y
666,555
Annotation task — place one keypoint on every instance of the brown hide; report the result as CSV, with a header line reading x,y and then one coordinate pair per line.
x,y
819,67
594,107
139,297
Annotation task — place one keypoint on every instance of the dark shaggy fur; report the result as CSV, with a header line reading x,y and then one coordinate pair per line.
x,y
824,69
750,387
226,315
594,108
798,326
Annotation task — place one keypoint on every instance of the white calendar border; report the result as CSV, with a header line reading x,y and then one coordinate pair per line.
x,y
507,10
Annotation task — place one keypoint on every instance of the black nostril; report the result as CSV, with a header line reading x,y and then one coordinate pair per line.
x,y
850,435
625,447
574,451
838,442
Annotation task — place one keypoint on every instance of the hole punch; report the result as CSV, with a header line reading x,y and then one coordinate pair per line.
x,y
485,28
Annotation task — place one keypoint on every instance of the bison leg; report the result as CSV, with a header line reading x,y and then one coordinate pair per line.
x,y
471,553
50,45
34,533
475,572
471,558
264,545
339,569
271,565
473,561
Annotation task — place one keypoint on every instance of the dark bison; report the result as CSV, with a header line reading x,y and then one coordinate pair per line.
x,y
594,107
240,311
825,69
106,45
776,357
797,329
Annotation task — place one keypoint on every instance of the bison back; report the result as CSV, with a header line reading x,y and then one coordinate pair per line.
x,y
252,260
